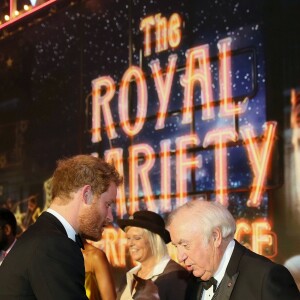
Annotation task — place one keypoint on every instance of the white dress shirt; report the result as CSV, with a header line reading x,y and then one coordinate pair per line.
x,y
219,274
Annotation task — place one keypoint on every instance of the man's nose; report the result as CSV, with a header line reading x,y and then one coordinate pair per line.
x,y
109,216
181,256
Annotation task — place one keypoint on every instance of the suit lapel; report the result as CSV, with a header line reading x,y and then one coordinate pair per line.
x,y
237,254
226,286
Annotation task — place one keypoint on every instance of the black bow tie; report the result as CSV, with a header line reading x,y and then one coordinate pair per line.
x,y
211,282
79,241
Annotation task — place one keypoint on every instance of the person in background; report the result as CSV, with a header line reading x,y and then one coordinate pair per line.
x,y
8,232
9,204
32,213
203,233
46,262
156,276
99,282
293,265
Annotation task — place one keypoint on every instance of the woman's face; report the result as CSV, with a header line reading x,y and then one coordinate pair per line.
x,y
138,244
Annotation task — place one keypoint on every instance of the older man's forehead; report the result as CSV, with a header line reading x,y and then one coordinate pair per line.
x,y
179,232
183,220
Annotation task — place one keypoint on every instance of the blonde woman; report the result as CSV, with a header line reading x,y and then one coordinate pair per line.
x,y
156,275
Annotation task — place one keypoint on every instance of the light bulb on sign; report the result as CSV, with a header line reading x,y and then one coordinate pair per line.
x,y
33,2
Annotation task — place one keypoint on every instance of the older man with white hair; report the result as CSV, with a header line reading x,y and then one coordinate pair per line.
x,y
203,233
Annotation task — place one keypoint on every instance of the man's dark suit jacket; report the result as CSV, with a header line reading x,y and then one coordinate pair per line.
x,y
250,276
43,264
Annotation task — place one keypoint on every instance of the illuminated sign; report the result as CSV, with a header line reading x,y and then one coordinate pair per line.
x,y
162,167
177,96
16,10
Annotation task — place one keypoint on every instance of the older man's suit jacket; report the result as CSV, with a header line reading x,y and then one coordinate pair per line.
x,y
250,276
43,264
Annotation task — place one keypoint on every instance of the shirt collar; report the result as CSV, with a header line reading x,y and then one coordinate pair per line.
x,y
157,270
224,262
69,229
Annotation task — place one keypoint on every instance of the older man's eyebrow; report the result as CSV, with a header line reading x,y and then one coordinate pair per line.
x,y
182,241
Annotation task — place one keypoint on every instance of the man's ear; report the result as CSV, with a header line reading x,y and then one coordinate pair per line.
x,y
217,237
87,194
89,197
